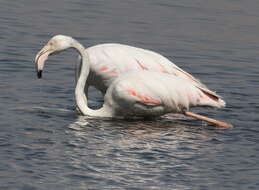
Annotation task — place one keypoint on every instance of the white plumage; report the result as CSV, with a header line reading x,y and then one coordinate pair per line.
x,y
135,82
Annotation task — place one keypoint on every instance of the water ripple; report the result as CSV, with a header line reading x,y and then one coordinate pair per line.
x,y
45,144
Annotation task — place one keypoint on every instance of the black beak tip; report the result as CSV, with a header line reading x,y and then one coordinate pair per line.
x,y
39,74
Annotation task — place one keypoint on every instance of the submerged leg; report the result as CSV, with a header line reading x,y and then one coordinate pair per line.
x,y
209,120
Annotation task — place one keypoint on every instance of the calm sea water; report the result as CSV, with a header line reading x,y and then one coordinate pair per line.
x,y
45,144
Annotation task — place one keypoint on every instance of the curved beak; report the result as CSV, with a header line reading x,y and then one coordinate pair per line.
x,y
40,59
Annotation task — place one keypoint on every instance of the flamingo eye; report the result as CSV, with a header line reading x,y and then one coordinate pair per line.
x,y
51,43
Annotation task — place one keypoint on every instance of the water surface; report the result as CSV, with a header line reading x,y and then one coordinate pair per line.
x,y
45,144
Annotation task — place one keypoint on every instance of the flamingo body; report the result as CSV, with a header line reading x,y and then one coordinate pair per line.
x,y
148,93
108,61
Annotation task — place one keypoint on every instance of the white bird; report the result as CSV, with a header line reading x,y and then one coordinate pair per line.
x,y
137,93
108,61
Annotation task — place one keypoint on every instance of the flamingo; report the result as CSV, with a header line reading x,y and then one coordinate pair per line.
x,y
143,92
108,61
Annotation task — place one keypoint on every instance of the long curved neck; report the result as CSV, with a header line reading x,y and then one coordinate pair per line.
x,y
81,99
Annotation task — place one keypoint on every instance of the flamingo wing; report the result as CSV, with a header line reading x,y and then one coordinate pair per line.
x,y
108,61
153,93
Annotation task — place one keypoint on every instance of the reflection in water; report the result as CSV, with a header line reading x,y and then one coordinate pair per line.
x,y
132,151
139,128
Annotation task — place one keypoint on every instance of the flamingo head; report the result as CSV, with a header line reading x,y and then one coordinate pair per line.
x,y
56,44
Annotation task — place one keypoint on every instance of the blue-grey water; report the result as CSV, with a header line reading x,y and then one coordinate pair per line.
x,y
46,145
